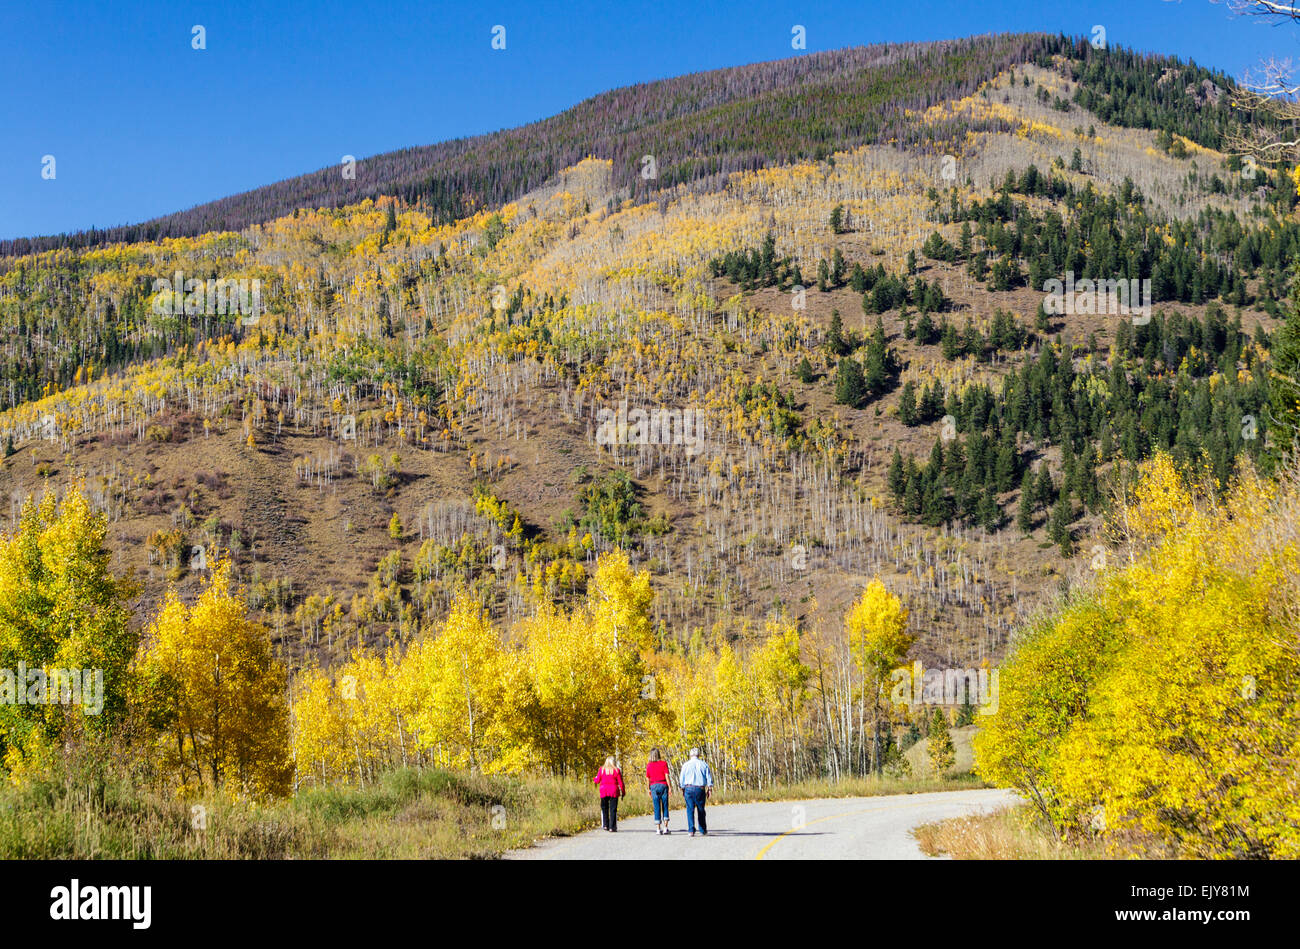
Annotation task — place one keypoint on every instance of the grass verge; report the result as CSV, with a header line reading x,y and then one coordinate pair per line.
x,y
407,814
1014,833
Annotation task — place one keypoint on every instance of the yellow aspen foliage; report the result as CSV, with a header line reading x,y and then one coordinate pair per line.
x,y
706,699
781,676
1159,711
63,613
1191,736
781,680
731,715
353,725
620,601
217,694
322,741
453,682
876,625
1161,502
876,629
583,697
1042,690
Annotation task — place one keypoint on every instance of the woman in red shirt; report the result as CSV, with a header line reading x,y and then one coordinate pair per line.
x,y
656,777
610,781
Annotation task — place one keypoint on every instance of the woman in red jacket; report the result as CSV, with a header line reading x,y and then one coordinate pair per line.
x,y
656,778
610,781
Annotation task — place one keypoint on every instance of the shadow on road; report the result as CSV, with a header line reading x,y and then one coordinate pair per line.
x,y
744,833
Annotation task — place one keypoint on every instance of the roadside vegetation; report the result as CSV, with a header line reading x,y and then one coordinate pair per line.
x,y
1010,834
1156,713
91,811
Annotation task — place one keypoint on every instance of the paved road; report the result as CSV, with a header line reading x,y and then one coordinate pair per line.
x,y
846,828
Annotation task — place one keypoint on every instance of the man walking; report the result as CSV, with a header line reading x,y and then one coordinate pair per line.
x,y
696,782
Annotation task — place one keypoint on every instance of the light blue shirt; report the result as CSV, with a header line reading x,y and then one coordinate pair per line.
x,y
696,773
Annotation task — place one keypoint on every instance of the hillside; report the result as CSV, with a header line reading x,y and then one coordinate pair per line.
x,y
450,371
702,127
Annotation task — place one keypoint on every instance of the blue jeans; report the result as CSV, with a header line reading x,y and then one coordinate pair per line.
x,y
694,802
659,794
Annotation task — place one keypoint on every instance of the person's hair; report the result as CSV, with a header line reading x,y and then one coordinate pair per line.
x,y
654,755
609,764
695,752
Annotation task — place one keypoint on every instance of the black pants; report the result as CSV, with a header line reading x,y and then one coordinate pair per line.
x,y
609,813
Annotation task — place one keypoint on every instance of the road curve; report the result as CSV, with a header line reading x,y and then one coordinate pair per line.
x,y
845,828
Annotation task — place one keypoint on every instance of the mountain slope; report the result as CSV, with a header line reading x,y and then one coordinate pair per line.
x,y
702,126
454,375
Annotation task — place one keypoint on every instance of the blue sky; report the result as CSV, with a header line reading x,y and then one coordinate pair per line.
x,y
141,124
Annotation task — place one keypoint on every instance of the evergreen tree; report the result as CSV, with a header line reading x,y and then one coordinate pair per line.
x,y
1283,413
850,385
912,496
972,342
926,332
1058,524
936,504
881,364
1044,490
858,279
1025,513
897,476
1006,464
950,341
989,512
931,406
836,344
907,404
942,754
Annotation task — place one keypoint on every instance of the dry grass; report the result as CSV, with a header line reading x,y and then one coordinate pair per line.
x,y
846,787
407,814
1009,834
918,755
